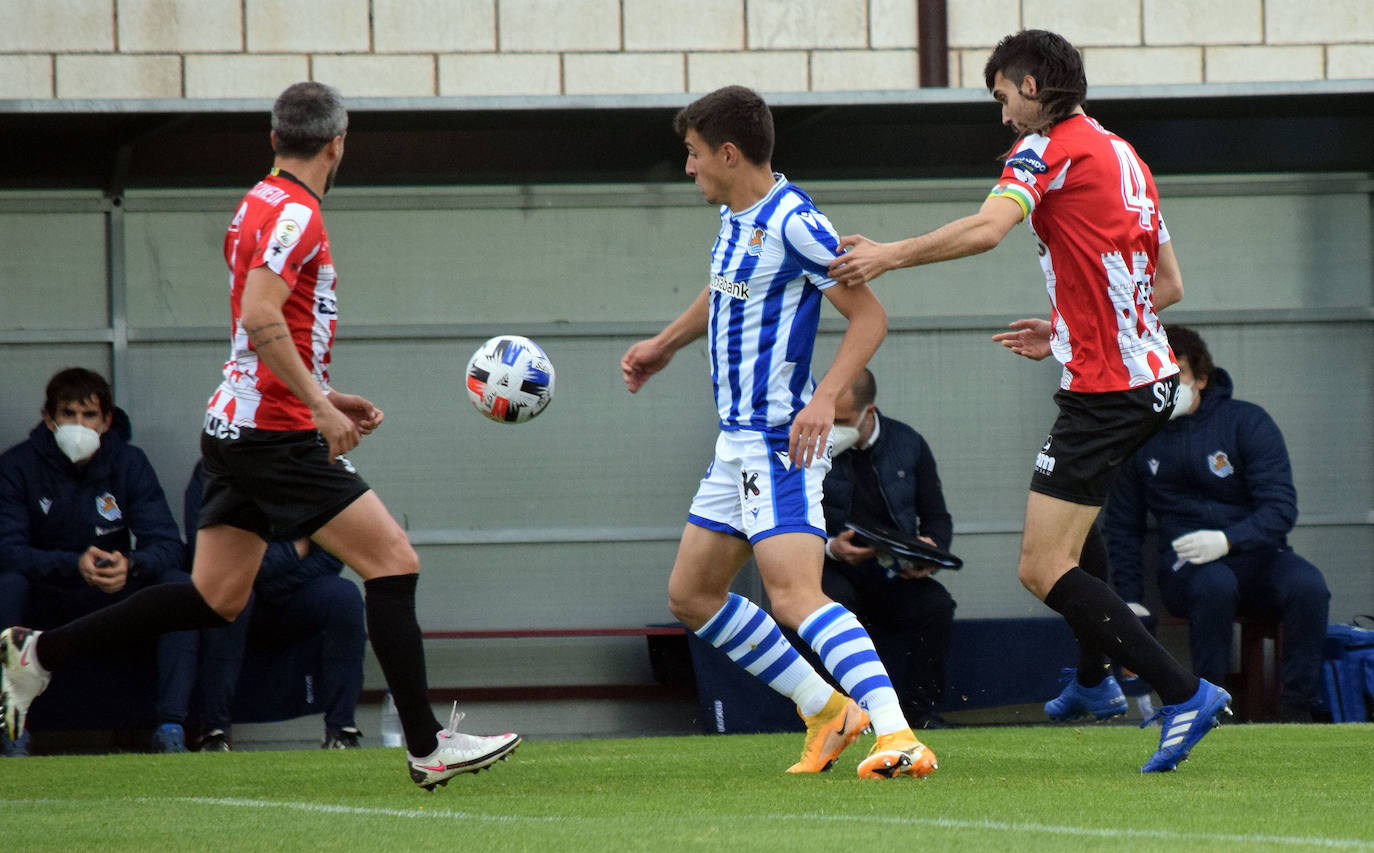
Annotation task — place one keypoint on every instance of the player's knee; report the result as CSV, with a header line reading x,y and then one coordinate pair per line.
x,y
1034,578
401,558
692,608
790,608
227,608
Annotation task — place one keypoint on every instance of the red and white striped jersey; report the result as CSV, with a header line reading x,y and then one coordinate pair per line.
x,y
277,225
1092,206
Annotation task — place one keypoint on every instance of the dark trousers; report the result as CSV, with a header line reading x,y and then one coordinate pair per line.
x,y
910,622
42,606
330,605
1274,584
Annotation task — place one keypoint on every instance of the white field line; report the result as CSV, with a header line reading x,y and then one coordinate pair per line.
x,y
1115,833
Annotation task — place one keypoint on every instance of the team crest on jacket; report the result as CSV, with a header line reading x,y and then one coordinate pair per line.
x,y
756,242
1219,464
108,507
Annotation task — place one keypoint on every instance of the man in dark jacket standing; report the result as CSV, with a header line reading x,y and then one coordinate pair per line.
x,y
1218,482
883,474
83,524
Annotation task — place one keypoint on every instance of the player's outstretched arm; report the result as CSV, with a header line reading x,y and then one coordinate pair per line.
x,y
647,357
866,330
864,260
264,294
1031,338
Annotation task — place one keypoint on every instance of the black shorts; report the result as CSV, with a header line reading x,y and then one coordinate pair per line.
x,y
1094,434
279,485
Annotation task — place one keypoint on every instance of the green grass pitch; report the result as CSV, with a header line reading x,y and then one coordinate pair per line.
x,y
1246,788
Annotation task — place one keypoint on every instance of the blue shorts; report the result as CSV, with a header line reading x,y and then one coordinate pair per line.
x,y
753,491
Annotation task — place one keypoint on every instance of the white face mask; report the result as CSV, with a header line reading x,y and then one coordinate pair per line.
x,y
842,438
78,442
1184,401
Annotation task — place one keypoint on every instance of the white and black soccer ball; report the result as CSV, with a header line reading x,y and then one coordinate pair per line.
x,y
510,379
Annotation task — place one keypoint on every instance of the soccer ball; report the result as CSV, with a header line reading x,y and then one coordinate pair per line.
x,y
510,379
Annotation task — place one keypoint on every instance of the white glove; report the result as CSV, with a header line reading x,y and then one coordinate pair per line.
x,y
1139,609
1201,546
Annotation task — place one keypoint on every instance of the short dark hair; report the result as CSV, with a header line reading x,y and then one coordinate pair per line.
x,y
1056,65
1189,345
306,117
77,385
864,389
732,114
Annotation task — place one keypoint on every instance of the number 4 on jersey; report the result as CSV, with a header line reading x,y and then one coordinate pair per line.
x,y
1133,188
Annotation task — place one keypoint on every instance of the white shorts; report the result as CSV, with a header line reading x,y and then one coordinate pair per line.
x,y
753,491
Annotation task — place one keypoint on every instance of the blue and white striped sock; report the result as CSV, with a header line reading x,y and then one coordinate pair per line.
x,y
847,652
751,639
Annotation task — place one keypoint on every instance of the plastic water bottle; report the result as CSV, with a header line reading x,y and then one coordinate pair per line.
x,y
391,722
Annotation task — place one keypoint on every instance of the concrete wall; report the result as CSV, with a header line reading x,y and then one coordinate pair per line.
x,y
572,520
77,49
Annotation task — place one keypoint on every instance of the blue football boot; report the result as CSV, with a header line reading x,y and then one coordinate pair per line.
x,y
1184,724
1074,701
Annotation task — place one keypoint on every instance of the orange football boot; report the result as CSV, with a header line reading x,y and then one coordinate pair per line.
x,y
898,754
828,732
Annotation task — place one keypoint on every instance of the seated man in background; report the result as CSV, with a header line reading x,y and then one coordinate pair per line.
x,y
84,524
298,593
883,474
1218,482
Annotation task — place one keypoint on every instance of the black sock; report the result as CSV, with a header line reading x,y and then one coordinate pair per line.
x,y
1093,664
395,636
1094,611
146,614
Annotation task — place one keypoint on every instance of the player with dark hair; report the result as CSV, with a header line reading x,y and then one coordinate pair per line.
x,y
84,524
762,492
1092,207
274,438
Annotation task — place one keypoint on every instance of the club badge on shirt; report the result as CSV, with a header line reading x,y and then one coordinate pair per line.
x,y
1219,464
108,507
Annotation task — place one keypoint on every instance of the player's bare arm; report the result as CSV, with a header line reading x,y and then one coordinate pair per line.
x,y
864,260
647,357
264,294
867,328
1168,282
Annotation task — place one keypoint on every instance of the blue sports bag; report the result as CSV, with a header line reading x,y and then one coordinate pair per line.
x,y
1348,671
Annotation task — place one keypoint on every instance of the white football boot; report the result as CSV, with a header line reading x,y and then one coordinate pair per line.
x,y
23,679
459,753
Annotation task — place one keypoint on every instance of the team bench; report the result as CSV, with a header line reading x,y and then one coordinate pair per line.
x,y
1255,687
666,664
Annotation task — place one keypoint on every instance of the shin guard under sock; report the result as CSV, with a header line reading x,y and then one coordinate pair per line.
x,y
1094,611
142,616
1093,664
395,636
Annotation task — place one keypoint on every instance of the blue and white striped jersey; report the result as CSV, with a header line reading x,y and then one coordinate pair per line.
x,y
768,268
